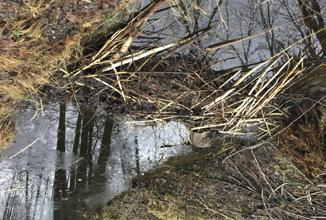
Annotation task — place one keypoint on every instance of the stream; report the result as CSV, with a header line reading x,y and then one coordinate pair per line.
x,y
64,162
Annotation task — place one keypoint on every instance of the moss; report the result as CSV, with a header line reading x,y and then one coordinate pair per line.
x,y
16,34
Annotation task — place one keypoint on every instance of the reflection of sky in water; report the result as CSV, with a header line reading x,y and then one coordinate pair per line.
x,y
33,179
233,20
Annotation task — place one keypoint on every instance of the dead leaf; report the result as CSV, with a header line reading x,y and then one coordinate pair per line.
x,y
4,99
72,18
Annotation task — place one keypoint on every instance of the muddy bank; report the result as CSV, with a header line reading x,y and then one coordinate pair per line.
x,y
259,184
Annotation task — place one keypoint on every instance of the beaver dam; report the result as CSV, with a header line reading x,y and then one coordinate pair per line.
x,y
163,109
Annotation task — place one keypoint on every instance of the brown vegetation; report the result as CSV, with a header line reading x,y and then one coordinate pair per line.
x,y
260,184
37,38
36,44
37,48
303,140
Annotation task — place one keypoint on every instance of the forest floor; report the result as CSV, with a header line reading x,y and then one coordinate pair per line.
x,y
256,184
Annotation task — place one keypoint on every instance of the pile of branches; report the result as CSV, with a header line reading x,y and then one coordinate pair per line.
x,y
178,82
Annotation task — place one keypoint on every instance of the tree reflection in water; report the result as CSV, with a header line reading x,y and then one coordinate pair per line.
x,y
82,160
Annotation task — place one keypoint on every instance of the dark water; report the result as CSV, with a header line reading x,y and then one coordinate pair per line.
x,y
64,161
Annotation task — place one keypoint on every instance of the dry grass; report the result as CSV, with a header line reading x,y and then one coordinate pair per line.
x,y
6,126
173,85
303,141
24,65
28,58
259,184
185,85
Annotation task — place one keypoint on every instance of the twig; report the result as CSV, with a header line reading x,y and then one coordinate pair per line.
x,y
25,148
212,210
145,54
262,173
270,138
265,206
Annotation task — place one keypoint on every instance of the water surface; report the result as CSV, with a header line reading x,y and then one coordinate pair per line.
x,y
65,161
